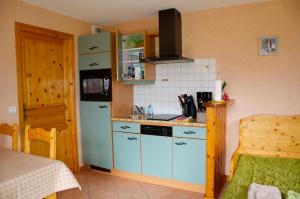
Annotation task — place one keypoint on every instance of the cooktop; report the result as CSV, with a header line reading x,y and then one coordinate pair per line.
x,y
163,117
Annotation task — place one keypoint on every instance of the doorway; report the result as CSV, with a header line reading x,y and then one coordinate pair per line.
x,y
46,88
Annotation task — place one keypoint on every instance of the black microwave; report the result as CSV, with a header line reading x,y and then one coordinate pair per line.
x,y
95,85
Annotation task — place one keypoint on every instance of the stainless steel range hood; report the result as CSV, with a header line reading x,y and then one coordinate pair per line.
x,y
170,39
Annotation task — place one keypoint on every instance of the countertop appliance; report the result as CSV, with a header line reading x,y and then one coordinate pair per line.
x,y
170,39
156,130
162,117
202,98
95,85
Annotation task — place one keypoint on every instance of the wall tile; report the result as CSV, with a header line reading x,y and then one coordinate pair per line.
x,y
183,78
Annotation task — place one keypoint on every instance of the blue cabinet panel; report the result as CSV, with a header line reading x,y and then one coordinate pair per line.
x,y
95,61
189,161
127,152
157,156
96,133
127,127
189,132
94,43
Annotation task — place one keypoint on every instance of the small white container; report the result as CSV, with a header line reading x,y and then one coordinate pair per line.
x,y
137,72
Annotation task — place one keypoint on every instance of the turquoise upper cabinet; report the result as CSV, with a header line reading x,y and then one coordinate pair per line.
x,y
95,61
96,133
157,156
94,51
189,160
127,152
94,43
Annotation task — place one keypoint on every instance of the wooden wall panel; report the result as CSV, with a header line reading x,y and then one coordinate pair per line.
x,y
215,149
270,135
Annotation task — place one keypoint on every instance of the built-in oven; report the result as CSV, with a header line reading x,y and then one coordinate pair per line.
x,y
95,85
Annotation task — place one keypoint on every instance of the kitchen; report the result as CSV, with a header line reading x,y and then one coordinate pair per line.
x,y
129,100
159,133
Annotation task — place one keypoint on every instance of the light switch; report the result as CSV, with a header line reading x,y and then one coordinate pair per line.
x,y
12,110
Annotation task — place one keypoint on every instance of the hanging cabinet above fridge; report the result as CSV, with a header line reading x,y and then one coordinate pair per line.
x,y
130,48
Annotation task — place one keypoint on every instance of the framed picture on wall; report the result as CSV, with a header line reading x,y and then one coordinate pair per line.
x,y
269,45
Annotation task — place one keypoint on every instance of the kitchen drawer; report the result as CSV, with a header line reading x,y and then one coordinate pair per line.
x,y
189,160
94,43
189,132
127,152
126,127
95,61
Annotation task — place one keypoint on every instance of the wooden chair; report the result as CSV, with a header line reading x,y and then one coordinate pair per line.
x,y
40,134
12,131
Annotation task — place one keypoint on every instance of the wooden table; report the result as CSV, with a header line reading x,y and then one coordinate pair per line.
x,y
25,176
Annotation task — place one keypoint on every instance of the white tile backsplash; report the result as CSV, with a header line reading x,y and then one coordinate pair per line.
x,y
182,78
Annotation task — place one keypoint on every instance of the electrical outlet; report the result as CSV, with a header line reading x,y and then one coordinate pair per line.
x,y
12,110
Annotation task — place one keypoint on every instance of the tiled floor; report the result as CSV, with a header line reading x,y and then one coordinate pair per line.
x,y
102,186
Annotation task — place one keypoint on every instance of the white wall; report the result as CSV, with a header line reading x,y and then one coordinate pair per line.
x,y
183,78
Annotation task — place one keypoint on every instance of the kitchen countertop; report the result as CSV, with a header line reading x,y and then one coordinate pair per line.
x,y
157,122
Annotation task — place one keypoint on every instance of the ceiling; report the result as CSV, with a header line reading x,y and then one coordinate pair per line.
x,y
115,11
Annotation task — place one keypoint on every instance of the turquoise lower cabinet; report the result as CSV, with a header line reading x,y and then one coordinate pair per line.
x,y
189,163
96,133
157,156
127,152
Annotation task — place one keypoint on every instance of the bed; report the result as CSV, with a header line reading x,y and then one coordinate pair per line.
x,y
268,153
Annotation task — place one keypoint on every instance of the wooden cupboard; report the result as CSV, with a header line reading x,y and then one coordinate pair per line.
x,y
129,48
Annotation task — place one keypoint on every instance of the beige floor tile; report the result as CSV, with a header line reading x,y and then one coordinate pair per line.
x,y
156,191
182,194
103,186
129,189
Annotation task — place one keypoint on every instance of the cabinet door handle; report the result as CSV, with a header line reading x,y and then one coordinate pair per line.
x,y
189,132
180,143
132,138
102,106
93,64
93,47
125,127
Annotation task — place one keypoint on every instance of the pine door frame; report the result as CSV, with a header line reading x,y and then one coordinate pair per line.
x,y
68,57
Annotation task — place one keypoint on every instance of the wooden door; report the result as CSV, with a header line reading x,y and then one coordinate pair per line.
x,y
45,67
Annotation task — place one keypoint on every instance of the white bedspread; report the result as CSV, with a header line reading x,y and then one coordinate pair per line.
x,y
25,176
257,191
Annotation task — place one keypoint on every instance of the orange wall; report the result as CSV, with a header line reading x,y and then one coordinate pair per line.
x,y
14,10
260,84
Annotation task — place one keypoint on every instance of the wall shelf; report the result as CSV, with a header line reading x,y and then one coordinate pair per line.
x,y
129,49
